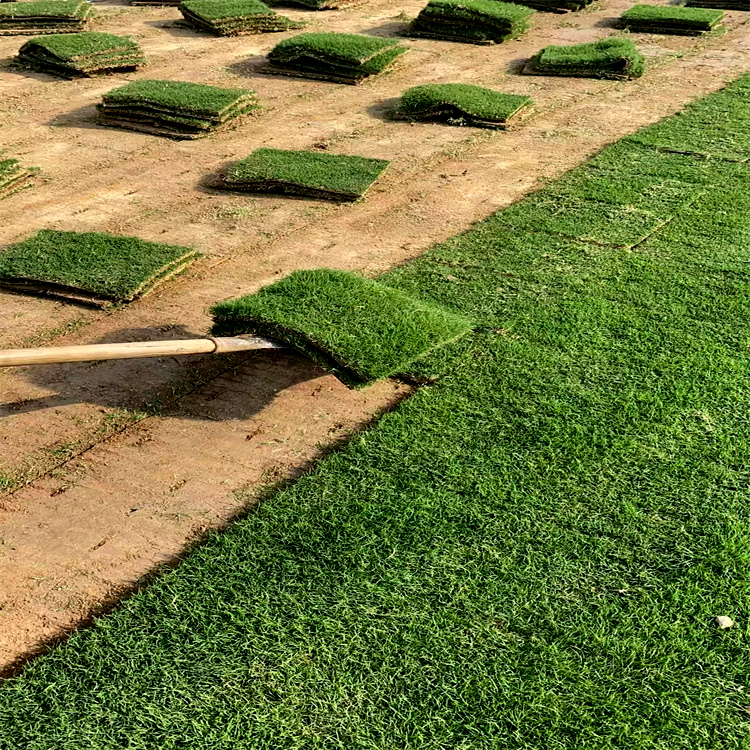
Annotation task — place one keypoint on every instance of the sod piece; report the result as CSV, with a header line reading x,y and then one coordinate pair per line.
x,y
91,267
743,5
176,109
462,104
613,58
84,54
342,58
14,176
307,173
357,328
670,19
44,17
318,4
234,17
473,21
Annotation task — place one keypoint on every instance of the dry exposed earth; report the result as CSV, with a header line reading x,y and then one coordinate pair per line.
x,y
112,469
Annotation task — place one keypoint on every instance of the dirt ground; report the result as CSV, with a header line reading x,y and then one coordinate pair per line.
x,y
109,470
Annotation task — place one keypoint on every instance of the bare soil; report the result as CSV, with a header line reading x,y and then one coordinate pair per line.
x,y
110,470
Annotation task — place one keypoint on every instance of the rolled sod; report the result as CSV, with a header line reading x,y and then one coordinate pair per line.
x,y
307,173
360,330
234,17
14,177
461,104
44,17
613,58
176,109
84,54
670,19
91,267
473,21
342,58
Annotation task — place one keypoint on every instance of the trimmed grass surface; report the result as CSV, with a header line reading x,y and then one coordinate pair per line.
x,y
474,21
342,58
526,555
614,58
87,53
175,108
14,176
461,104
306,173
44,17
234,17
670,19
359,329
90,267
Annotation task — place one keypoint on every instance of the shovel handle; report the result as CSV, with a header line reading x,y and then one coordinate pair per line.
x,y
50,355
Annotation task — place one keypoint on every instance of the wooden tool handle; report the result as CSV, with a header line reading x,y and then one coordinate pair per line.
x,y
96,352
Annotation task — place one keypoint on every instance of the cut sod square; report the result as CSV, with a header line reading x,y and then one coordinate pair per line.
x,y
554,6
307,173
91,267
462,104
176,109
361,330
743,5
613,58
84,54
342,58
14,177
44,17
473,21
234,17
319,4
670,19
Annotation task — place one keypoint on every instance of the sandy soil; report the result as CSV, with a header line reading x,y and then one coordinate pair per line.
x,y
113,469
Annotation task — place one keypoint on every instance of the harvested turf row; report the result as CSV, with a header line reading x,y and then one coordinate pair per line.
x,y
527,554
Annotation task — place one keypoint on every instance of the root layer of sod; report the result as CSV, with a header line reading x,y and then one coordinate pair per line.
x,y
527,554
92,268
342,58
473,21
84,54
305,173
175,108
234,17
44,17
670,19
14,176
462,104
614,58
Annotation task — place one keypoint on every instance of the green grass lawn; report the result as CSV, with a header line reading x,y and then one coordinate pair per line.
x,y
527,554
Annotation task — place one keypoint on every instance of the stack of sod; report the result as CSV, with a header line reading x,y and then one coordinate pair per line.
x,y
175,108
92,268
723,4
359,329
670,19
307,173
474,21
14,176
343,58
555,6
234,17
461,104
319,4
44,17
83,54
616,59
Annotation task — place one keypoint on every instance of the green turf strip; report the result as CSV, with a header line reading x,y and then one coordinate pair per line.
x,y
332,176
670,19
526,555
359,329
89,266
461,103
615,58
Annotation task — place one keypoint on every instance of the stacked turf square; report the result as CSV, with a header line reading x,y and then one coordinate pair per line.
x,y
343,58
461,104
93,268
14,176
234,17
307,173
360,329
175,108
84,54
44,17
556,6
670,19
319,4
721,4
613,58
474,21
